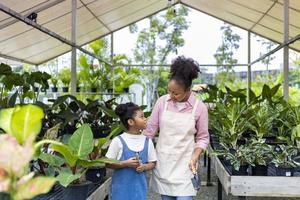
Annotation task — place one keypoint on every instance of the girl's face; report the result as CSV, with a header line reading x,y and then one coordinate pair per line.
x,y
177,92
139,120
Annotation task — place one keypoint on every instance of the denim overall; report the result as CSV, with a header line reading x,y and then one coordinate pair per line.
x,y
127,183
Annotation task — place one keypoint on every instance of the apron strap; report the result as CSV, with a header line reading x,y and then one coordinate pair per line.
x,y
166,103
195,107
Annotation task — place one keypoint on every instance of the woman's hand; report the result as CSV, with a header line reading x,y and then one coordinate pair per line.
x,y
194,160
193,165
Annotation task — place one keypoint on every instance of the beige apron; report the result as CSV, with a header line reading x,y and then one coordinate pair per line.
x,y
175,145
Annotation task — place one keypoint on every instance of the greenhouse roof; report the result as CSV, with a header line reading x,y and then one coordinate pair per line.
x,y
97,18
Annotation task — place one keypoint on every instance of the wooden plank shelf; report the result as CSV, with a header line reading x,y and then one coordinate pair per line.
x,y
102,192
263,186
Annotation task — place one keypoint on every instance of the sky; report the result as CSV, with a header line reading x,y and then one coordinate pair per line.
x,y
201,42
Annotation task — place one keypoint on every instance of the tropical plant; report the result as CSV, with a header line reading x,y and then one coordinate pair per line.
x,y
22,124
65,76
224,53
284,156
75,154
163,37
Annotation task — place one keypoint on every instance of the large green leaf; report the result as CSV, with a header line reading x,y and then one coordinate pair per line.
x,y
5,69
65,178
53,160
60,148
116,130
100,162
35,186
26,121
81,141
5,119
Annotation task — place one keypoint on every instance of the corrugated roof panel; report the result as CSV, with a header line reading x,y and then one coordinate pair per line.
x,y
294,17
51,53
258,5
263,30
22,41
128,15
36,49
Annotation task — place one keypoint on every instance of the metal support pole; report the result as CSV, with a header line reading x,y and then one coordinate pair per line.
x,y
208,183
219,190
286,51
46,31
204,159
112,58
249,68
73,56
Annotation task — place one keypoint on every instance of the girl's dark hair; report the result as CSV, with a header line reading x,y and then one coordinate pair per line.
x,y
126,111
184,70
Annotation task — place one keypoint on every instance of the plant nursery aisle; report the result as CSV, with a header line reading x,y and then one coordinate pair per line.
x,y
211,192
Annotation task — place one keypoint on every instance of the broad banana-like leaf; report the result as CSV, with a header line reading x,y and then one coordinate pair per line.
x,y
26,121
35,186
100,162
61,148
5,119
53,160
81,142
66,178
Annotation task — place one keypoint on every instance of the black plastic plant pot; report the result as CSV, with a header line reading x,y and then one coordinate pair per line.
x,y
110,90
260,170
126,90
54,89
284,171
243,171
4,196
36,89
95,175
65,89
77,89
101,132
94,90
78,191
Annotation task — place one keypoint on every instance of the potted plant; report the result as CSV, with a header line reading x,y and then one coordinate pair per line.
x,y
54,82
65,78
284,160
22,124
75,155
262,155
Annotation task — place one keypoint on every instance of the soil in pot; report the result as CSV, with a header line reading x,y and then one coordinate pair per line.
x,y
243,171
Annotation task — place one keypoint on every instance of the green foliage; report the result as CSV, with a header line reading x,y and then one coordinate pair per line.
x,y
16,151
75,154
224,53
22,122
65,76
161,38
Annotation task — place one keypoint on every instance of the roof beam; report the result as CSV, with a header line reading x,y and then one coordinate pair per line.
x,y
290,41
16,59
47,31
95,16
44,7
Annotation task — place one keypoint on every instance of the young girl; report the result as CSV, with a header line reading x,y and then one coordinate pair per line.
x,y
135,152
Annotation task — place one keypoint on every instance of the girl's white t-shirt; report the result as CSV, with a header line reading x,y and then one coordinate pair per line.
x,y
134,142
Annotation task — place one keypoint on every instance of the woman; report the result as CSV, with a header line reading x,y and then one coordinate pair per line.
x,y
182,121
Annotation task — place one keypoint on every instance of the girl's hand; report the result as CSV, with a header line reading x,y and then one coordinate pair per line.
x,y
141,168
132,162
194,165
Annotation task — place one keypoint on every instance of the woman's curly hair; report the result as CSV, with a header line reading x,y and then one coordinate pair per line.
x,y
184,71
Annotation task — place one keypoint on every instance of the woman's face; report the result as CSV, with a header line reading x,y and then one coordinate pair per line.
x,y
177,92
